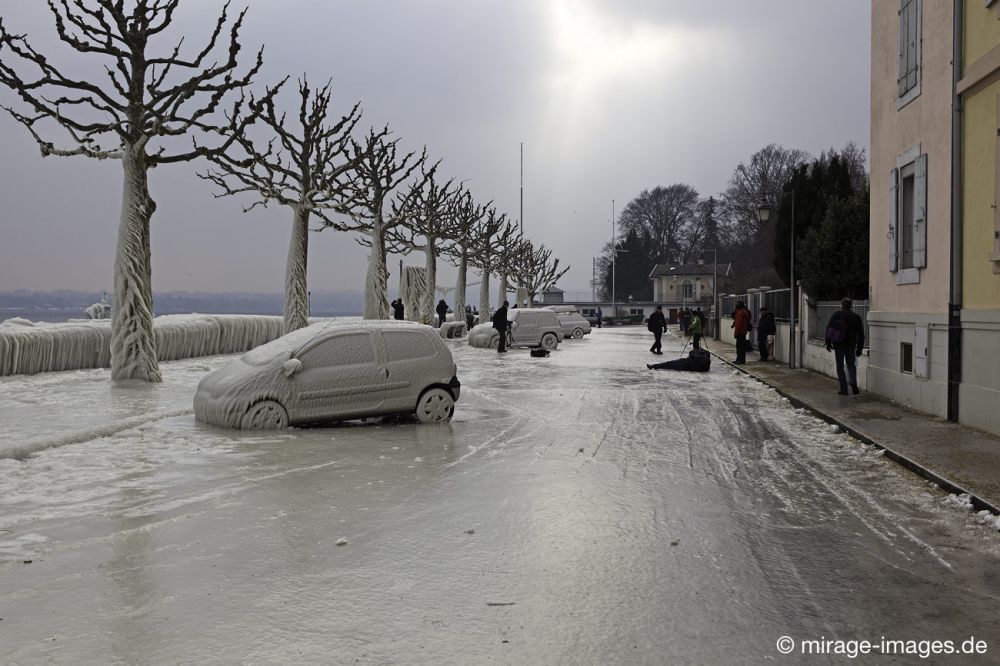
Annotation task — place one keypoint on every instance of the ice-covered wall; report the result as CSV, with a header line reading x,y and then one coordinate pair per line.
x,y
27,349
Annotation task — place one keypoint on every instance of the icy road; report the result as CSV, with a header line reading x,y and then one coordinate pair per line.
x,y
579,509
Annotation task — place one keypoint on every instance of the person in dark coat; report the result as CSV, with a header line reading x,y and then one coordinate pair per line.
x,y
500,323
656,325
741,326
397,309
442,310
600,317
469,317
765,329
845,337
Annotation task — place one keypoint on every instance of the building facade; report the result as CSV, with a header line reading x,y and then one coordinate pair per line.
x,y
690,284
911,202
978,92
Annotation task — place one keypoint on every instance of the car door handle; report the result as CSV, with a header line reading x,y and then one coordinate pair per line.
x,y
385,372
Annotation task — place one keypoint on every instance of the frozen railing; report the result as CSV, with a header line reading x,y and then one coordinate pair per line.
x,y
27,349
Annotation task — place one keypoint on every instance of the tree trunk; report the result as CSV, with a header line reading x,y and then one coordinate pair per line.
x,y
504,288
133,344
377,278
296,295
430,267
463,270
484,298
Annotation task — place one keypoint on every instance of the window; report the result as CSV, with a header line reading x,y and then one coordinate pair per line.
x,y
636,311
340,350
908,81
908,217
688,289
906,357
405,345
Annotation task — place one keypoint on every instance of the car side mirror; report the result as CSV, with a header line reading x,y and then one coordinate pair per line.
x,y
291,366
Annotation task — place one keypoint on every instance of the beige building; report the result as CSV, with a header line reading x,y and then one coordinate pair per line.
x,y
911,201
978,170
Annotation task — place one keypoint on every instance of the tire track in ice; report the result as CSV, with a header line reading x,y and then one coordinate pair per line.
x,y
22,451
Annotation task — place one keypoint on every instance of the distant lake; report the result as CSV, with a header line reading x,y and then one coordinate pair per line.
x,y
57,314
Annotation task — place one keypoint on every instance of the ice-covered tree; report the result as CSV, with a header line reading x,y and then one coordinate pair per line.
x,y
493,234
135,109
511,257
536,269
306,165
379,169
426,215
468,215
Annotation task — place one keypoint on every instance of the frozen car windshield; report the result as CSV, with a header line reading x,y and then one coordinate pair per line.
x,y
284,346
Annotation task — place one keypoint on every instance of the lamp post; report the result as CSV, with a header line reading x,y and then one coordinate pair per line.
x,y
764,214
614,255
715,298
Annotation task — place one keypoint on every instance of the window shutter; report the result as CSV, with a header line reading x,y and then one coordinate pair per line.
x,y
893,220
920,212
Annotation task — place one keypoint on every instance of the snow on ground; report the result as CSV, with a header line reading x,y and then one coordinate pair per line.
x,y
578,508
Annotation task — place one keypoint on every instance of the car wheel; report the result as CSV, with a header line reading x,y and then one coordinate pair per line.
x,y
577,333
435,405
265,415
549,341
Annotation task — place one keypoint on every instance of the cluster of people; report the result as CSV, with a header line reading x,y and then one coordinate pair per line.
x,y
743,329
442,309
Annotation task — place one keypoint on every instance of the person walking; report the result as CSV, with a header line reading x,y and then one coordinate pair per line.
x,y
397,309
600,317
845,337
695,329
766,330
500,324
657,324
741,326
442,310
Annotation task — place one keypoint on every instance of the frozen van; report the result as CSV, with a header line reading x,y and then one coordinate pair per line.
x,y
529,327
333,371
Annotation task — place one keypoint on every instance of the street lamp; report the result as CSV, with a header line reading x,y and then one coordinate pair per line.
x,y
764,214
715,296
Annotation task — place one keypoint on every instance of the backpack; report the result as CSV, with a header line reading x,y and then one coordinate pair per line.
x,y
836,330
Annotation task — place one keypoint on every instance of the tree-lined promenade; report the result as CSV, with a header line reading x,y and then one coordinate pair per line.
x,y
148,101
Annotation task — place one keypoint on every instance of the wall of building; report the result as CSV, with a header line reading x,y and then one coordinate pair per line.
x,y
979,393
925,121
897,310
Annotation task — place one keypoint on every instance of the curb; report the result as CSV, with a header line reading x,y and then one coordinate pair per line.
x,y
978,503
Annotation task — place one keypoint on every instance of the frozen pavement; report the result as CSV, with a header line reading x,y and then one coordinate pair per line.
x,y
579,509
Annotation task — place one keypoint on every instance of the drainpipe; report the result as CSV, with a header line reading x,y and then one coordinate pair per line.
x,y
955,277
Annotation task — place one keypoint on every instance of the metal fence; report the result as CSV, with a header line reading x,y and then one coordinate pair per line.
x,y
824,310
777,301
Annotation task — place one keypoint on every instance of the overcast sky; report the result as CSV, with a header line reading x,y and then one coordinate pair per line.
x,y
610,97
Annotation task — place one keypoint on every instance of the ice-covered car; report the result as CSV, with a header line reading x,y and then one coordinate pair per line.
x,y
573,323
333,371
528,328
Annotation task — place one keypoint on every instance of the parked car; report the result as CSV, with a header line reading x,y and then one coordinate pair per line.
x,y
574,325
529,327
333,371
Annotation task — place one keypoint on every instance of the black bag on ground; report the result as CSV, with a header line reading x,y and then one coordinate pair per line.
x,y
540,353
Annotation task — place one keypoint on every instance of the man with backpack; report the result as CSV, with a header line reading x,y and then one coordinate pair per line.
x,y
657,324
694,328
845,337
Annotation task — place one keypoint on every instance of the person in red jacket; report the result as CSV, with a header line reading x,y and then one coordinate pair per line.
x,y
741,326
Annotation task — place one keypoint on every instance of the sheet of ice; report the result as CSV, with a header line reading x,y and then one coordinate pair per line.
x,y
578,506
